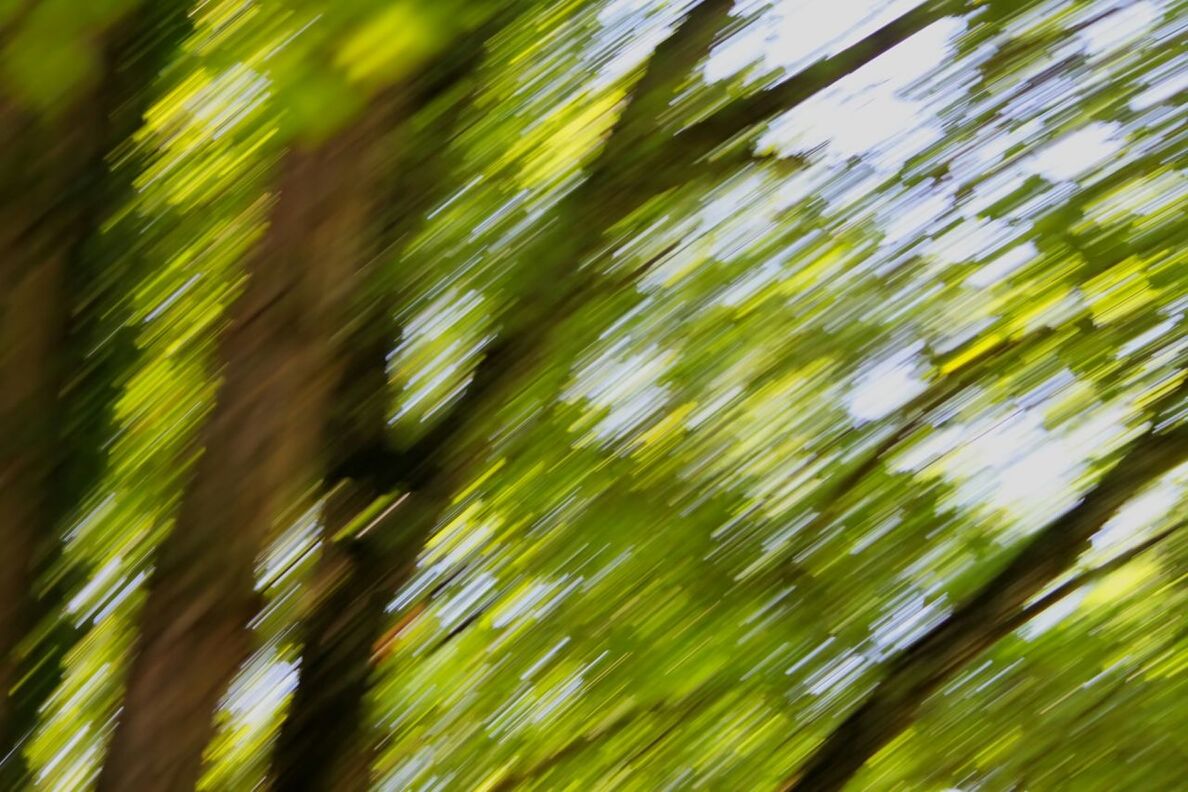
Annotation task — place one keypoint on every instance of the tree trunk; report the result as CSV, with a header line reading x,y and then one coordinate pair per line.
x,y
324,743
56,191
998,609
261,451
620,180
31,319
356,575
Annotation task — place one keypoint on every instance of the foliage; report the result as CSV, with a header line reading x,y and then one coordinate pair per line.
x,y
727,354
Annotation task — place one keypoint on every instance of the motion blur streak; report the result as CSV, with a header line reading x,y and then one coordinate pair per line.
x,y
593,395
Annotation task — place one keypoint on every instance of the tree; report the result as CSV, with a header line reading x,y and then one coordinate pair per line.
x,y
58,127
998,608
259,447
588,410
369,577
262,445
348,619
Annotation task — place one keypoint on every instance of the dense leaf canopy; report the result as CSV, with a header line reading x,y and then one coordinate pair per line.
x,y
593,394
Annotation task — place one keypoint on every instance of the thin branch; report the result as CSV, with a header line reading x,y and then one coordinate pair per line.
x,y
672,62
1070,587
911,417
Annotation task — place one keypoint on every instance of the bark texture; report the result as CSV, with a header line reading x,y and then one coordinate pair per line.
x,y
262,450
55,191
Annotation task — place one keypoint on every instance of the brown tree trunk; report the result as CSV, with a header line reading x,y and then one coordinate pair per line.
x,y
31,319
55,190
626,174
356,575
324,742
364,573
998,609
321,745
261,452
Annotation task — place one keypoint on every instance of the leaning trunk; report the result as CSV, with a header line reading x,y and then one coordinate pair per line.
x,y
31,320
55,192
347,608
261,450
324,743
357,574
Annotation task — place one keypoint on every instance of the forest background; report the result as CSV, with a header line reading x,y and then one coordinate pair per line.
x,y
593,394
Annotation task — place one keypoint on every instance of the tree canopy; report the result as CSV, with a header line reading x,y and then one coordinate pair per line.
x,y
593,394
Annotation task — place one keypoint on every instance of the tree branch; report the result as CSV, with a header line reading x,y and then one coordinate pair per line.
x,y
672,62
704,137
992,613
1082,580
911,417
